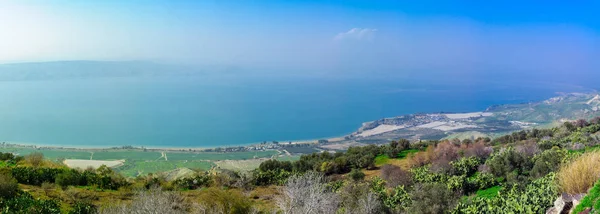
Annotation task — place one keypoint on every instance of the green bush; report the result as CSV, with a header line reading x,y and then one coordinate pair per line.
x,y
70,178
548,161
357,175
538,196
8,186
591,200
84,208
397,200
25,204
432,198
265,178
465,166
509,161
194,182
35,176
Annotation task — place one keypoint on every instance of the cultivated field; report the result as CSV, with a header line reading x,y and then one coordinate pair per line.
x,y
139,162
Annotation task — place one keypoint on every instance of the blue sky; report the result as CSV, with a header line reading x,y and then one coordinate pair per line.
x,y
309,35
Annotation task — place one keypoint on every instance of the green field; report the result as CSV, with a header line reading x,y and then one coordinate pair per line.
x,y
143,162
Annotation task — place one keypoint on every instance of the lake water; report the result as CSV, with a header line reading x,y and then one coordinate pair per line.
x,y
224,111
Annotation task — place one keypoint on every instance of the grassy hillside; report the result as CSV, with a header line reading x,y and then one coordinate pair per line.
x,y
523,172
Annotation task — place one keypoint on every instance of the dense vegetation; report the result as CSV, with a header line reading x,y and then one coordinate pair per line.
x,y
523,172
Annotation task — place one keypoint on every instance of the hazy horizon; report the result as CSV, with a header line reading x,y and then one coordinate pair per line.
x,y
322,37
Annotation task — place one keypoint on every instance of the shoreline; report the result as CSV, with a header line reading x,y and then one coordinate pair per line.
x,y
363,131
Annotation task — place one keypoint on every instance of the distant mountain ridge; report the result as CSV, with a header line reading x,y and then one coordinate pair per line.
x,y
88,69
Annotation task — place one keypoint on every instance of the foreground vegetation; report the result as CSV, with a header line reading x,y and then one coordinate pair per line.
x,y
523,172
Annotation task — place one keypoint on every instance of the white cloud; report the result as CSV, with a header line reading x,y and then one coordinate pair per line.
x,y
356,34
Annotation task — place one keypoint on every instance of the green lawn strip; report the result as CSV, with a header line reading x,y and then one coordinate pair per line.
x,y
591,199
381,160
491,192
405,153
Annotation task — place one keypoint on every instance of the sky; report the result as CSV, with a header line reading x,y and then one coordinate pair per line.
x,y
318,35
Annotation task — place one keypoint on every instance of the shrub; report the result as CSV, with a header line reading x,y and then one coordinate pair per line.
x,y
8,186
35,176
151,201
465,166
25,203
422,158
509,161
84,208
535,198
591,200
194,182
70,178
444,153
432,198
581,174
265,178
548,161
394,176
424,175
35,159
396,201
357,198
357,175
273,164
483,180
6,156
477,149
216,200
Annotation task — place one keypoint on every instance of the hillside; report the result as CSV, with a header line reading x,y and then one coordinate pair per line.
x,y
494,121
523,172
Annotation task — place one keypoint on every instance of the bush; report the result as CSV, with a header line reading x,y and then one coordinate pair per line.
x,y
152,201
580,174
216,200
70,178
265,178
356,175
394,176
35,159
35,176
548,161
84,208
25,203
465,166
432,198
535,198
509,161
395,201
194,182
8,186
357,198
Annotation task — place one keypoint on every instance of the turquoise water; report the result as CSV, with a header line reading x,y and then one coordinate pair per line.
x,y
208,111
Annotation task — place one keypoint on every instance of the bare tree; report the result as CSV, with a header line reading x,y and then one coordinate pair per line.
x,y
369,204
307,194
